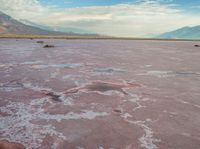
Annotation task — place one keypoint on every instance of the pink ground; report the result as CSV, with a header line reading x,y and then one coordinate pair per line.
x,y
99,94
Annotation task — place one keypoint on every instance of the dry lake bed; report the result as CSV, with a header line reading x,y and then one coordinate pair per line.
x,y
99,94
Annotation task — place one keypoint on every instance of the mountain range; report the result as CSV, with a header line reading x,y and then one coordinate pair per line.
x,y
9,25
56,28
182,33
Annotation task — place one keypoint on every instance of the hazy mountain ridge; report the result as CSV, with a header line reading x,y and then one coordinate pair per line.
x,y
8,25
57,29
183,33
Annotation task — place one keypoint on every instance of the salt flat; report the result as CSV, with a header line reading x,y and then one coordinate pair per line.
x,y
100,94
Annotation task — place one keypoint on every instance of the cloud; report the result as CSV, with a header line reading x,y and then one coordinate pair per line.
x,y
196,7
132,19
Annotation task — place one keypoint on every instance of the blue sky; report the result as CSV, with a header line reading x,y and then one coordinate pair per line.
x,y
127,18
79,3
185,4
82,3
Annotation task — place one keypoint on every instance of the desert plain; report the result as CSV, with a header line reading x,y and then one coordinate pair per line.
x,y
99,94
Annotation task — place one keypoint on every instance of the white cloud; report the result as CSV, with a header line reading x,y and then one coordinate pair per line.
x,y
136,19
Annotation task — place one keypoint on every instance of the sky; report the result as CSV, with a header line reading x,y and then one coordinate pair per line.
x,y
124,18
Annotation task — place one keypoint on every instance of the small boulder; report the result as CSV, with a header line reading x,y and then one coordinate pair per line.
x,y
117,111
197,45
48,46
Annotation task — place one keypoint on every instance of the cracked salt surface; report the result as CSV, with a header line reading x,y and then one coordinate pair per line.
x,y
108,93
165,74
109,70
100,147
10,87
71,76
188,103
18,126
54,74
62,97
3,65
43,66
135,99
157,73
72,116
104,88
31,62
78,147
147,141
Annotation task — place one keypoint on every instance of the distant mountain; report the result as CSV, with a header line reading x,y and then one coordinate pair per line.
x,y
183,33
58,28
8,25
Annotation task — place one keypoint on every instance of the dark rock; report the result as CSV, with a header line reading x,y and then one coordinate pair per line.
x,y
117,110
197,45
49,46
54,96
